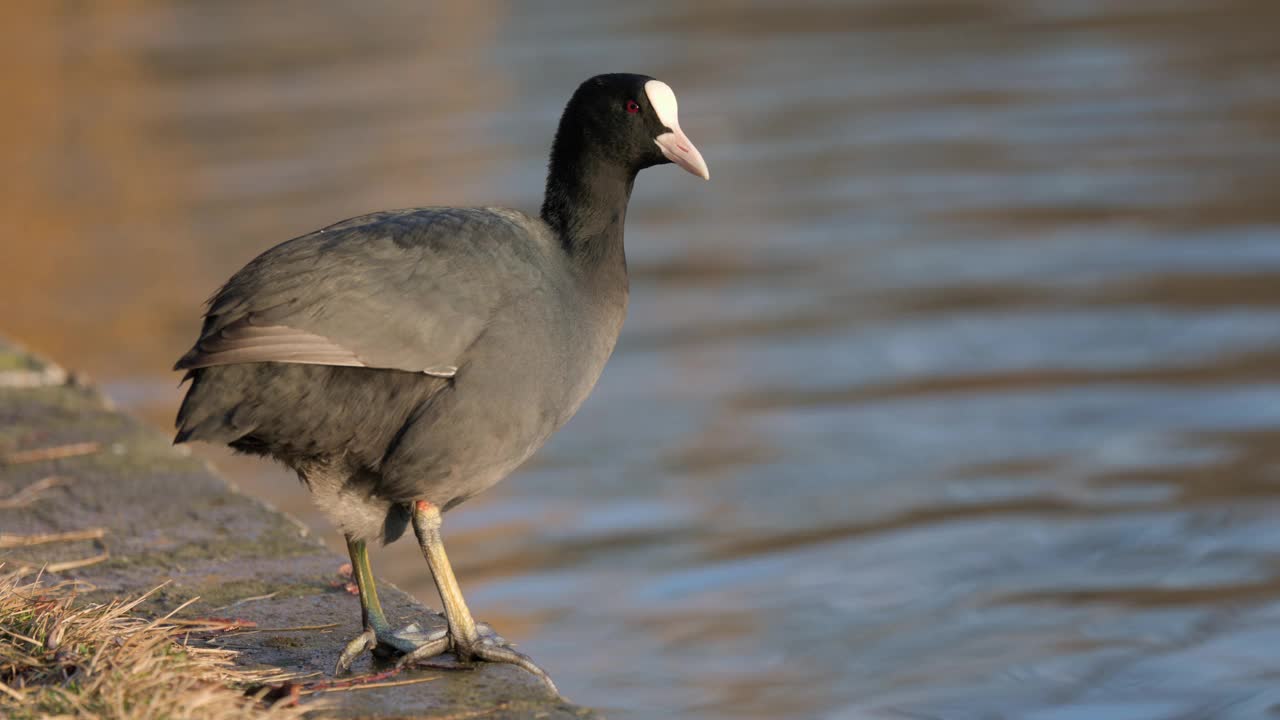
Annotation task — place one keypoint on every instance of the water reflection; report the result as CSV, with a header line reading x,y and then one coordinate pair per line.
x,y
956,394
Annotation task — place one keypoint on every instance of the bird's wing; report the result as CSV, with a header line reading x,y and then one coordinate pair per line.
x,y
405,290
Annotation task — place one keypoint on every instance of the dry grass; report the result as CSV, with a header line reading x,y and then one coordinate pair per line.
x,y
58,660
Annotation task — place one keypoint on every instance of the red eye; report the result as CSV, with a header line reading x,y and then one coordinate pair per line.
x,y
633,107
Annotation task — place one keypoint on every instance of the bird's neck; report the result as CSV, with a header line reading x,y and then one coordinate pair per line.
x,y
586,205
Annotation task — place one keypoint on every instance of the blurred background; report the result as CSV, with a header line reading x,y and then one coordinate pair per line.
x,y
955,393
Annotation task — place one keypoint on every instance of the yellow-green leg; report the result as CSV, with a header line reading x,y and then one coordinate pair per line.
x,y
370,607
377,631
468,640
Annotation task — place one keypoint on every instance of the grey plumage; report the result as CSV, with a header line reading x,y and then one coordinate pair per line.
x,y
402,292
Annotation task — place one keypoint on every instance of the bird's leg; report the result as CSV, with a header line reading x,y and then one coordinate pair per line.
x,y
370,607
377,631
465,637
371,616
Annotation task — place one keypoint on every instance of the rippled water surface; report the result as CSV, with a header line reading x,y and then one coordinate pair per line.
x,y
956,393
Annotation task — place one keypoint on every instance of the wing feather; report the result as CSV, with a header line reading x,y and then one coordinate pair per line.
x,y
406,290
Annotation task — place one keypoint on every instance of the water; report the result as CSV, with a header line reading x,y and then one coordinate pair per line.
x,y
956,393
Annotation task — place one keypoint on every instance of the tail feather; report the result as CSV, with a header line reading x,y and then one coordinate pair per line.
x,y
209,412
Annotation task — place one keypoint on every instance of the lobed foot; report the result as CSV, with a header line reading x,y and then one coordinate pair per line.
x,y
389,642
488,646
417,647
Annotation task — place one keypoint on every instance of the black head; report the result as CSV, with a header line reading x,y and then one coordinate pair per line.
x,y
626,121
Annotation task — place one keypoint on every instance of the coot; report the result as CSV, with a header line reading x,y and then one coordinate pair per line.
x,y
404,361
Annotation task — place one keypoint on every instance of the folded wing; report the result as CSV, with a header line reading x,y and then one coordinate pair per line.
x,y
404,290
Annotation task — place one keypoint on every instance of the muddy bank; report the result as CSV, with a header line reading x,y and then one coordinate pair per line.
x,y
149,513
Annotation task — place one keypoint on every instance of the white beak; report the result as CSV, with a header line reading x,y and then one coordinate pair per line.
x,y
675,145
677,148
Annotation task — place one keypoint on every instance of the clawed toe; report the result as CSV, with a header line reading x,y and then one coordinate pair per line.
x,y
425,651
363,643
407,641
502,653
488,647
